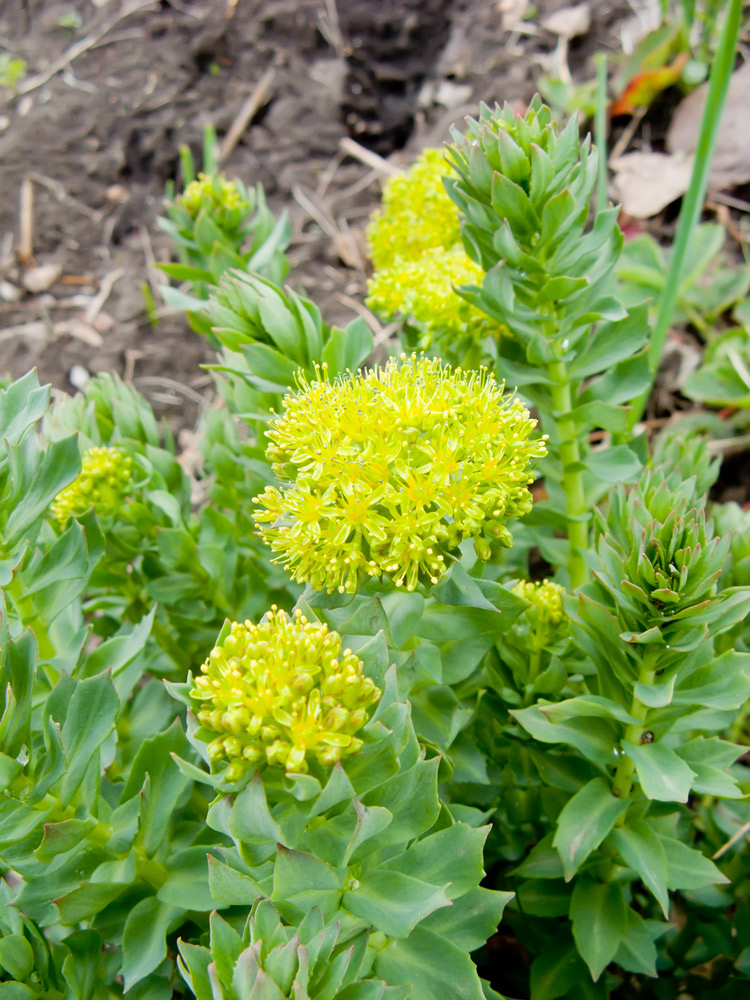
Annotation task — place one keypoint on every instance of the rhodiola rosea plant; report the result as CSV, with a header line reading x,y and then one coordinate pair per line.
x,y
322,734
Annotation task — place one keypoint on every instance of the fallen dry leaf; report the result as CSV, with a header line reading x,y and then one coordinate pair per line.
x,y
349,250
648,182
569,22
511,12
82,331
643,88
731,164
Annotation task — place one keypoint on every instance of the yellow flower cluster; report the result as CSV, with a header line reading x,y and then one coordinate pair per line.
x,y
415,246
423,289
281,692
386,472
215,193
104,483
545,598
417,213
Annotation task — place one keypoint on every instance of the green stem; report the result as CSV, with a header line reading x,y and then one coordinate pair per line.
x,y
623,783
721,72
538,637
572,478
99,835
535,661
30,618
600,131
149,870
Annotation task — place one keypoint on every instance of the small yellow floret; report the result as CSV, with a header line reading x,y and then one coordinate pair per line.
x,y
215,193
545,598
386,472
416,249
281,692
417,213
104,483
423,289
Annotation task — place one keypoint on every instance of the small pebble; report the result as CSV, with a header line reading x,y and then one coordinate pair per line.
x,y
39,279
78,376
8,292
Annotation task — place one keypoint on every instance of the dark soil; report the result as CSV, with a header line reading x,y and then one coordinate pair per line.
x,y
101,137
98,140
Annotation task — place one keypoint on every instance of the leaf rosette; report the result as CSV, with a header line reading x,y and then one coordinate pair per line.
x,y
313,961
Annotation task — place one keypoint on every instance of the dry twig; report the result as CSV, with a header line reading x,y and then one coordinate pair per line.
x,y
626,138
733,840
366,156
61,194
162,382
316,210
78,48
105,287
26,223
261,95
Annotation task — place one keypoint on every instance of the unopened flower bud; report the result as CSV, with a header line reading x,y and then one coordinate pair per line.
x,y
104,483
311,682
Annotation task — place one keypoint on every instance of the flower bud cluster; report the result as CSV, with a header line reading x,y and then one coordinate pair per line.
x,y
282,692
386,472
104,483
512,165
275,961
671,559
675,566
415,245
545,598
223,200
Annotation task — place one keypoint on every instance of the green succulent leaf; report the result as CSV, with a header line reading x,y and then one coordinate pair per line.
x,y
584,823
599,914
662,773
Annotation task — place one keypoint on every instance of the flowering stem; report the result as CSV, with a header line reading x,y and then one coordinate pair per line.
x,y
537,642
623,774
572,479
535,662
152,872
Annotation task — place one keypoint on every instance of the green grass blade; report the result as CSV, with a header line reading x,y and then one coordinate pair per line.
x,y
692,204
600,131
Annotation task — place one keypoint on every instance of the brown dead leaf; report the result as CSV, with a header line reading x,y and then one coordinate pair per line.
x,y
511,12
569,22
349,250
83,331
648,182
731,164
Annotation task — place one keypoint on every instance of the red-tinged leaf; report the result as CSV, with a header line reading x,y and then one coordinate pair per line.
x,y
642,89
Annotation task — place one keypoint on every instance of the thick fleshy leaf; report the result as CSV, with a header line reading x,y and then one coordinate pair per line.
x,y
584,822
89,720
144,944
687,868
600,922
557,969
643,851
663,775
394,903
434,966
